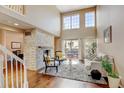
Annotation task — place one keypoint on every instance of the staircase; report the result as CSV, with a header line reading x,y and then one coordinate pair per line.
x,y
16,76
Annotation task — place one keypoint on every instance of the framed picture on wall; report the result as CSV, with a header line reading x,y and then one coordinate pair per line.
x,y
16,45
108,35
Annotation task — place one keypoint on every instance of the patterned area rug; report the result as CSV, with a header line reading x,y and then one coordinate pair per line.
x,y
72,70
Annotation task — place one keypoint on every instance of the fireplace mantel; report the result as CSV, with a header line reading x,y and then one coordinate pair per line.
x,y
45,47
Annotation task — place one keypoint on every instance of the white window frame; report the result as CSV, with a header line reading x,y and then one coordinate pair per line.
x,y
71,22
86,19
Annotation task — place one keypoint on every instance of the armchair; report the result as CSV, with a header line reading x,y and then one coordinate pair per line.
x,y
59,56
50,63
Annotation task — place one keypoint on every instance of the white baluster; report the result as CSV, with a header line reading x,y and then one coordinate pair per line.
x,y
12,78
17,82
1,72
21,73
6,70
18,60
25,76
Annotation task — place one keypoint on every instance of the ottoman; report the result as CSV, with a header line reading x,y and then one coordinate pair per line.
x,y
95,74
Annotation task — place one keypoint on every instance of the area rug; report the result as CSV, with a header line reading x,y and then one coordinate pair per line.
x,y
74,71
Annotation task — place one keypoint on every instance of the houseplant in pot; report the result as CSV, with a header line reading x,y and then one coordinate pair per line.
x,y
113,77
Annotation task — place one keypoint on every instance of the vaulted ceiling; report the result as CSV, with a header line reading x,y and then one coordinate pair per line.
x,y
67,8
45,17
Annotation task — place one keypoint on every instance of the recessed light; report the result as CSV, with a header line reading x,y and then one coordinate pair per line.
x,y
16,24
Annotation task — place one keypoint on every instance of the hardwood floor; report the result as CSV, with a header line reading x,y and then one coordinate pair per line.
x,y
37,80
14,75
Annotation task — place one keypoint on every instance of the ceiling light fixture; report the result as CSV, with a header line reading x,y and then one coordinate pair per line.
x,y
16,24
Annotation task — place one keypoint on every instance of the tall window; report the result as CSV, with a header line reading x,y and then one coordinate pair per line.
x,y
71,22
90,19
75,21
67,22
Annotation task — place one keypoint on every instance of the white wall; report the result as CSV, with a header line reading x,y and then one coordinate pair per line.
x,y
11,34
46,17
14,37
76,34
106,16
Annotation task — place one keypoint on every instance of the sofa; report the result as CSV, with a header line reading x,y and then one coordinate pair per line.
x,y
93,65
96,65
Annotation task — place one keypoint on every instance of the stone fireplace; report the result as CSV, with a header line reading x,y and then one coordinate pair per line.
x,y
47,52
35,46
40,52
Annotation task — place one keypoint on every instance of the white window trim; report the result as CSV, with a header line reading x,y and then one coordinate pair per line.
x,y
94,20
70,22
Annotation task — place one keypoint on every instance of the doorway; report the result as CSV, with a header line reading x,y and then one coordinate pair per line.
x,y
71,49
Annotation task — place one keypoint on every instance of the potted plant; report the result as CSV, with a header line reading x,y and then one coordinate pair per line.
x,y
113,77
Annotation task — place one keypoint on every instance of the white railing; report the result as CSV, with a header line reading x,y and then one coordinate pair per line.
x,y
20,9
18,74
